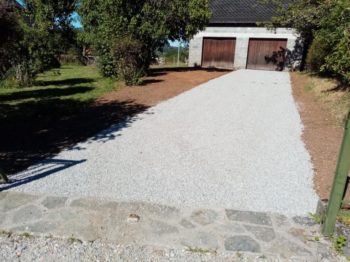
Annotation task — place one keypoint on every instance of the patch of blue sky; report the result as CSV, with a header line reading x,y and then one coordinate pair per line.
x,y
76,20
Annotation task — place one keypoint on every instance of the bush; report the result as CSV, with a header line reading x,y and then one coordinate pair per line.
x,y
317,53
330,49
128,60
338,61
11,34
106,63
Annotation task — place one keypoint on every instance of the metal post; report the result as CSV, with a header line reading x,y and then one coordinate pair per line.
x,y
178,54
339,184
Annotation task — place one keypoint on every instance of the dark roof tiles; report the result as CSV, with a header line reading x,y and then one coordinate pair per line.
x,y
240,11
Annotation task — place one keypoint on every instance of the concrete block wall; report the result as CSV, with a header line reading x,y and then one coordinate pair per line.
x,y
242,35
195,51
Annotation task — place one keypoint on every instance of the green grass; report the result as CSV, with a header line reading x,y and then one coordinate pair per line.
x,y
80,83
344,217
309,87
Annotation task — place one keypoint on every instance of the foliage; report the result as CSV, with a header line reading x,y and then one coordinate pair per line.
x,y
10,35
44,31
324,26
344,217
302,15
317,218
339,243
317,53
148,24
128,60
335,32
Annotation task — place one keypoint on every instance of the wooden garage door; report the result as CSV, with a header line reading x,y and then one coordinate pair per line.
x,y
218,52
267,54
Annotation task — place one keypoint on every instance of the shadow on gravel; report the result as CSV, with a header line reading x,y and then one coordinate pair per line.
x,y
45,168
36,130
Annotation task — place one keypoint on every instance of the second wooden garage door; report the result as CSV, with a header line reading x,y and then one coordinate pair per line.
x,y
218,52
267,54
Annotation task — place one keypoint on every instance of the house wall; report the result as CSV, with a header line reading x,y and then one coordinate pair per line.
x,y
242,35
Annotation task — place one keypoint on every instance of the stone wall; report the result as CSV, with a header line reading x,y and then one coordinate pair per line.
x,y
242,35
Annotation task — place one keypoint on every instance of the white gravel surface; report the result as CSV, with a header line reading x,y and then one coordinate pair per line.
x,y
233,142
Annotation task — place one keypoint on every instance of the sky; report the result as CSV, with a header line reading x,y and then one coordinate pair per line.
x,y
76,21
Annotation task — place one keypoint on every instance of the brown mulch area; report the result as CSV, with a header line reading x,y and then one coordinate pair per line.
x,y
163,84
36,130
322,135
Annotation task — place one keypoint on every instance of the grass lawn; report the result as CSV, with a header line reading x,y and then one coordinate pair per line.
x,y
59,111
80,83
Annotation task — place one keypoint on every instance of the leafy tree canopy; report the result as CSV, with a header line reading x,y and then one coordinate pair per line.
x,y
42,30
147,23
324,26
10,34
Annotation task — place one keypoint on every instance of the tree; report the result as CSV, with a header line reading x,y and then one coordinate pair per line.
x,y
324,28
302,15
145,25
10,35
44,30
335,34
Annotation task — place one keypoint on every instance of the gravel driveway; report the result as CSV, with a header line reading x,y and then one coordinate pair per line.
x,y
234,142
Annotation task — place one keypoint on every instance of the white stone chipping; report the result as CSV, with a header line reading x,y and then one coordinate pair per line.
x,y
234,142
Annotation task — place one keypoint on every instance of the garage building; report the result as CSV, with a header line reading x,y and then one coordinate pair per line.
x,y
234,39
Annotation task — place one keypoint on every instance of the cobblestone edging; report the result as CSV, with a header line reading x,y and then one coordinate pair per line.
x,y
204,230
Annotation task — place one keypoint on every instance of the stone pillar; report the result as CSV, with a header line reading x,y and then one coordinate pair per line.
x,y
241,53
195,52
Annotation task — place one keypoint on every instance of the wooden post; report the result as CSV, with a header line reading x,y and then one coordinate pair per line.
x,y
339,184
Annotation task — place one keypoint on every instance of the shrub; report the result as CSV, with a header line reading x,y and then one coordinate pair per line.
x,y
11,34
338,61
107,63
317,53
128,60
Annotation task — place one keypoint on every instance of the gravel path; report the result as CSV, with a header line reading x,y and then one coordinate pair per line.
x,y
32,248
234,142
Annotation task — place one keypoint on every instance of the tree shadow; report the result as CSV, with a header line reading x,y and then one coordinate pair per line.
x,y
44,93
149,81
294,59
65,82
277,59
165,70
340,87
35,130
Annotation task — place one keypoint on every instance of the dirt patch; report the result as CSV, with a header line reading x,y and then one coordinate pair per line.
x,y
322,134
162,85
